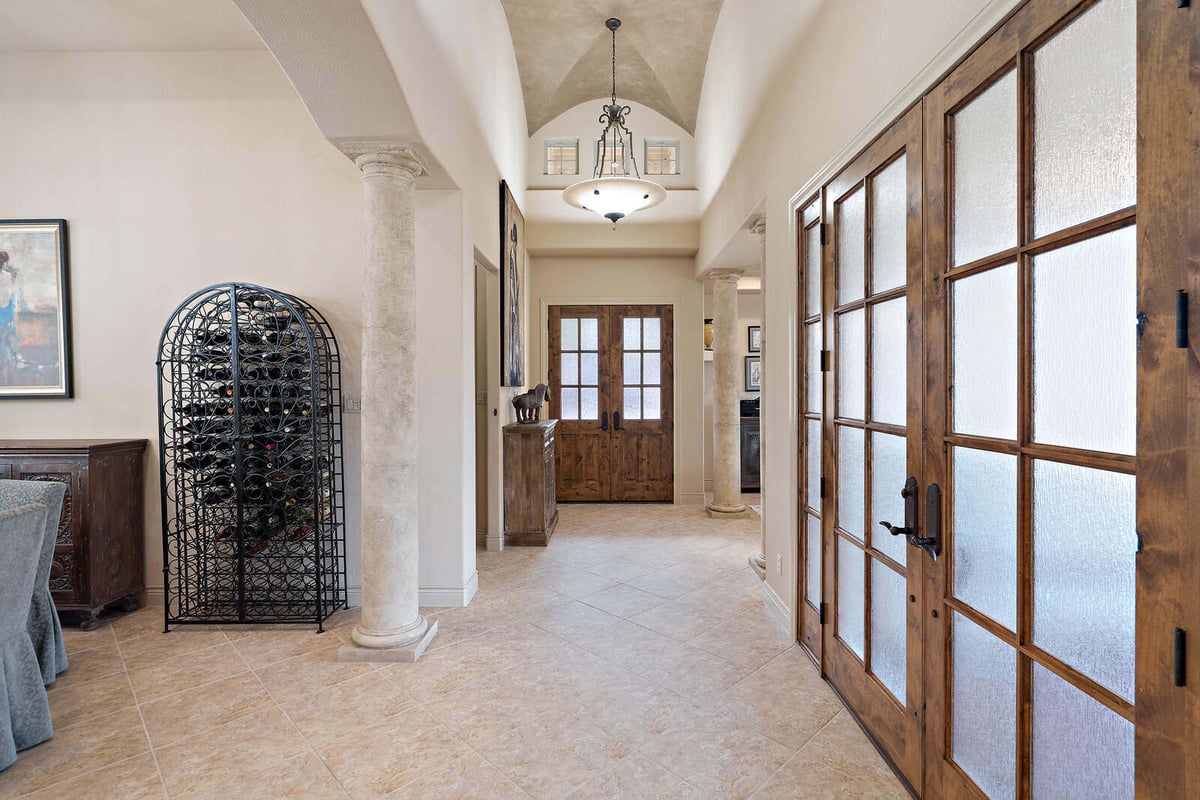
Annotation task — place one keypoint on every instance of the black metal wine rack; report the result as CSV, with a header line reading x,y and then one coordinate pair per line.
x,y
250,448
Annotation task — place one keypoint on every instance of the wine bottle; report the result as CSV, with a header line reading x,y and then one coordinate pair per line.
x,y
218,494
224,390
207,444
213,373
206,460
212,337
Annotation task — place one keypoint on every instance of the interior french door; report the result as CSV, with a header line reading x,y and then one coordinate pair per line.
x,y
872,439
1032,264
812,355
612,384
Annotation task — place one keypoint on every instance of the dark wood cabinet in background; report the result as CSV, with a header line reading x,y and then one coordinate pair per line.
x,y
751,454
530,497
98,558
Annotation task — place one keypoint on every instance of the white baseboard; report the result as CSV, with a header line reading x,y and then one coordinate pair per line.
x,y
693,498
154,596
495,544
777,608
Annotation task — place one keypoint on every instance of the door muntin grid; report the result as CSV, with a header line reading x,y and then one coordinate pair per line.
x,y
579,368
641,368
812,404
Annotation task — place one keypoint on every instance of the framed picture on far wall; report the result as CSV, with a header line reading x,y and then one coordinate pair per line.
x,y
35,311
753,373
754,339
512,290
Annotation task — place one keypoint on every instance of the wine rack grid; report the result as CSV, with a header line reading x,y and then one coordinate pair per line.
x,y
250,455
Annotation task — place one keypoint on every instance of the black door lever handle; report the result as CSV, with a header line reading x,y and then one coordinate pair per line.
x,y
616,420
604,421
897,530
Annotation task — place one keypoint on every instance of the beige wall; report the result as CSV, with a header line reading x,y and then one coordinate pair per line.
x,y
558,281
749,313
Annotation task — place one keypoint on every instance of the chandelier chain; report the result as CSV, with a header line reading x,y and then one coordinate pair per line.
x,y
614,66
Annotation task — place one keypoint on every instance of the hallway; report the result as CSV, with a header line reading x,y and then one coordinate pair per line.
x,y
580,670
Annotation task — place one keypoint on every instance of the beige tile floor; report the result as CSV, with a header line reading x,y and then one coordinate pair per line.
x,y
632,658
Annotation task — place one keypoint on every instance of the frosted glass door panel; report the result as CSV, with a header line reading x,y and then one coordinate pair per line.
x,y
889,628
632,333
984,162
984,708
570,334
889,469
984,369
1084,570
1085,344
589,334
812,277
1085,118
1080,748
812,443
851,583
851,481
852,365
889,362
851,246
812,566
983,553
889,226
815,386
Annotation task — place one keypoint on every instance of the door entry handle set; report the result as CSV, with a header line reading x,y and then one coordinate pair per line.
x,y
931,544
604,421
616,421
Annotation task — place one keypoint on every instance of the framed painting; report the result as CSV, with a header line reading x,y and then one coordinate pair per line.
x,y
512,290
35,311
753,373
754,339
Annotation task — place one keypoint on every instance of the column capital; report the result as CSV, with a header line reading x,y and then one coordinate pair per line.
x,y
758,225
725,275
381,155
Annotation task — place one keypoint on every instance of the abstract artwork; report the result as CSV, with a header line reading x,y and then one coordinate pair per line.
x,y
35,315
512,290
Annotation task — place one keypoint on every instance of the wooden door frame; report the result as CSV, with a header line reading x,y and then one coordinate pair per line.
x,y
809,620
676,304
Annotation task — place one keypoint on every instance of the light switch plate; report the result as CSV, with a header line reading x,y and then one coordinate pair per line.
x,y
352,405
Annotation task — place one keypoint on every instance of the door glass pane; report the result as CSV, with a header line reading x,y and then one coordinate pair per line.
x,y
985,173
1085,118
851,243
889,362
651,404
1080,748
889,469
633,333
983,708
983,553
570,334
651,339
889,628
1085,344
652,368
889,226
589,404
850,481
633,404
570,404
812,550
633,369
985,353
589,336
570,369
852,365
850,589
813,445
1084,570
812,278
589,369
813,401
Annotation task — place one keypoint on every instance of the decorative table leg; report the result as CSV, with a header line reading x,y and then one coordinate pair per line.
x,y
89,621
130,603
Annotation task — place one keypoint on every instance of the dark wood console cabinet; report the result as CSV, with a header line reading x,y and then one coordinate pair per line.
x,y
751,453
99,556
530,487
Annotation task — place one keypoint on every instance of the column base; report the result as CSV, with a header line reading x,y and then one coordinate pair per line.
x,y
404,653
728,512
759,562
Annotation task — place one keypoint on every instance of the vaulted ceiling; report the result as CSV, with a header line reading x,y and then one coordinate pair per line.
x,y
564,54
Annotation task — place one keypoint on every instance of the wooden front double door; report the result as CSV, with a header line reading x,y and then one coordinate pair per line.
x,y
969,289
612,390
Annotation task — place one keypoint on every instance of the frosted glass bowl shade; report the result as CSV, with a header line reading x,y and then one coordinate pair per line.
x,y
614,198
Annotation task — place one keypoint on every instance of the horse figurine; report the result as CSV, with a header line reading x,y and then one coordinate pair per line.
x,y
529,404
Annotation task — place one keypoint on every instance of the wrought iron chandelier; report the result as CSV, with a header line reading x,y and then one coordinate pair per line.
x,y
612,192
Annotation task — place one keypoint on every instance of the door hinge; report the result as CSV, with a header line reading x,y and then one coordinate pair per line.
x,y
822,487
1181,319
824,234
824,361
821,614
1180,657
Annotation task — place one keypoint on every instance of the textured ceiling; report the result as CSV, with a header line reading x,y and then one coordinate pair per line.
x,y
564,54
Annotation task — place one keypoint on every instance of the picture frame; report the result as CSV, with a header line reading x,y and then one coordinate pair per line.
x,y
753,373
35,310
754,339
512,290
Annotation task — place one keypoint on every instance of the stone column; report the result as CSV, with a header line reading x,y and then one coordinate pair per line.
x,y
392,628
727,480
759,560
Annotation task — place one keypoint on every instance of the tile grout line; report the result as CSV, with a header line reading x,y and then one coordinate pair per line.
x,y
141,717
795,753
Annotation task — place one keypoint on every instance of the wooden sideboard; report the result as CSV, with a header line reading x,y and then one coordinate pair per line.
x,y
99,555
530,487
